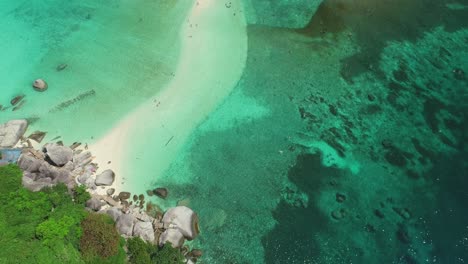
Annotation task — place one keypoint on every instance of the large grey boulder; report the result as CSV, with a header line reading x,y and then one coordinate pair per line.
x,y
106,178
114,213
172,236
94,204
184,219
11,132
56,174
35,185
59,155
29,163
124,224
144,230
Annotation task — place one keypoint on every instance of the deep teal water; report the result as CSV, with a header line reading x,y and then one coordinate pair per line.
x,y
345,141
379,83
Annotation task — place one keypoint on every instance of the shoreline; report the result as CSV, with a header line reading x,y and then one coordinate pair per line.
x,y
211,61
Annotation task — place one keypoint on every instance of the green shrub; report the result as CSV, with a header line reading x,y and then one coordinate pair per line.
x,y
167,255
81,195
141,252
10,178
52,230
100,237
25,216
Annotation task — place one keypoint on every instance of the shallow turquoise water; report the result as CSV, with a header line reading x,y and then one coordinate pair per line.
x,y
345,141
109,72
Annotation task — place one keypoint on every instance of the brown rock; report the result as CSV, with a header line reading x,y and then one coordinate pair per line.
x,y
161,192
150,192
61,67
196,253
124,195
17,99
110,191
37,136
40,85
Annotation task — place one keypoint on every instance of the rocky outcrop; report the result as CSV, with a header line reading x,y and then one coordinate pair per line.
x,y
184,220
144,230
56,163
31,184
11,132
172,236
40,169
38,174
94,204
114,213
124,224
106,178
57,154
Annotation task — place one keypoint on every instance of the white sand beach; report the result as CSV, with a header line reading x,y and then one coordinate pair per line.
x,y
212,57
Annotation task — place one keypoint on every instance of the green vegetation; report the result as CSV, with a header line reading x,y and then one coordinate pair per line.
x,y
46,226
80,195
100,237
37,227
51,227
141,252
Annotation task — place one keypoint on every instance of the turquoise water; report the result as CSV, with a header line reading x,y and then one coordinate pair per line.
x,y
108,73
345,140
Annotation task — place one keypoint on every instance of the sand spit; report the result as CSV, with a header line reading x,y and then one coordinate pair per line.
x,y
212,57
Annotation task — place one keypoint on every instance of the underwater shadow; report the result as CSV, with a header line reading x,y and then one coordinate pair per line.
x,y
373,23
293,238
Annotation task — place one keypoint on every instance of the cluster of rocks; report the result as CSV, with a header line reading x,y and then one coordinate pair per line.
x,y
55,163
18,101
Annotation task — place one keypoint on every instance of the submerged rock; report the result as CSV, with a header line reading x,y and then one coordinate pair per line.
x,y
161,192
37,136
340,197
196,253
61,67
338,214
106,178
40,85
16,99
